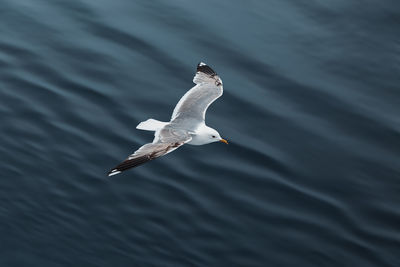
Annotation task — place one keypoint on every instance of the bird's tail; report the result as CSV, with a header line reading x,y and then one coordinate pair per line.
x,y
151,125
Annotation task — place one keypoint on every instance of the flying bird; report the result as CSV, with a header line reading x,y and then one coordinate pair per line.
x,y
187,124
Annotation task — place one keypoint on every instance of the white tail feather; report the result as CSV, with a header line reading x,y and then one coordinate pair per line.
x,y
151,125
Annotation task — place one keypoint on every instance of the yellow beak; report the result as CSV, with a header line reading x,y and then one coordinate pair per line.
x,y
223,141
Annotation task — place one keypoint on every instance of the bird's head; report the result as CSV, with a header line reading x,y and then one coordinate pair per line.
x,y
213,136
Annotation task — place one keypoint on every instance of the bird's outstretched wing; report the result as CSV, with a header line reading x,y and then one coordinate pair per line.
x,y
166,140
191,108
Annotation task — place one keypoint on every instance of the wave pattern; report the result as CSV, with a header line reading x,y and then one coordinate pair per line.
x,y
311,110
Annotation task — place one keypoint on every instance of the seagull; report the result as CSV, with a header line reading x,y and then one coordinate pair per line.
x,y
187,124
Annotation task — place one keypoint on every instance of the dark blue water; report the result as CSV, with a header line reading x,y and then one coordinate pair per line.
x,y
311,109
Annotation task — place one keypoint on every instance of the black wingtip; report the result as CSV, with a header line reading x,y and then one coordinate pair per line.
x,y
127,164
204,68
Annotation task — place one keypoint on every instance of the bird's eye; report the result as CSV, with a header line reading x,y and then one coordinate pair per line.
x,y
213,136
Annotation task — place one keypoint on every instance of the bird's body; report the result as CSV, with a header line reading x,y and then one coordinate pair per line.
x,y
187,124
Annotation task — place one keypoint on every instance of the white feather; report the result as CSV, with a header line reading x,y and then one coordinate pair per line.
x,y
151,125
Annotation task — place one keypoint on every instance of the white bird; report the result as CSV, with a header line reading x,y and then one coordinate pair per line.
x,y
187,124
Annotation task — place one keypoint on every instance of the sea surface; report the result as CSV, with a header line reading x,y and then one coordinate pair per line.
x,y
311,110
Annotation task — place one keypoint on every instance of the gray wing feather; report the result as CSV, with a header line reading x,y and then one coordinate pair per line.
x,y
166,141
192,107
